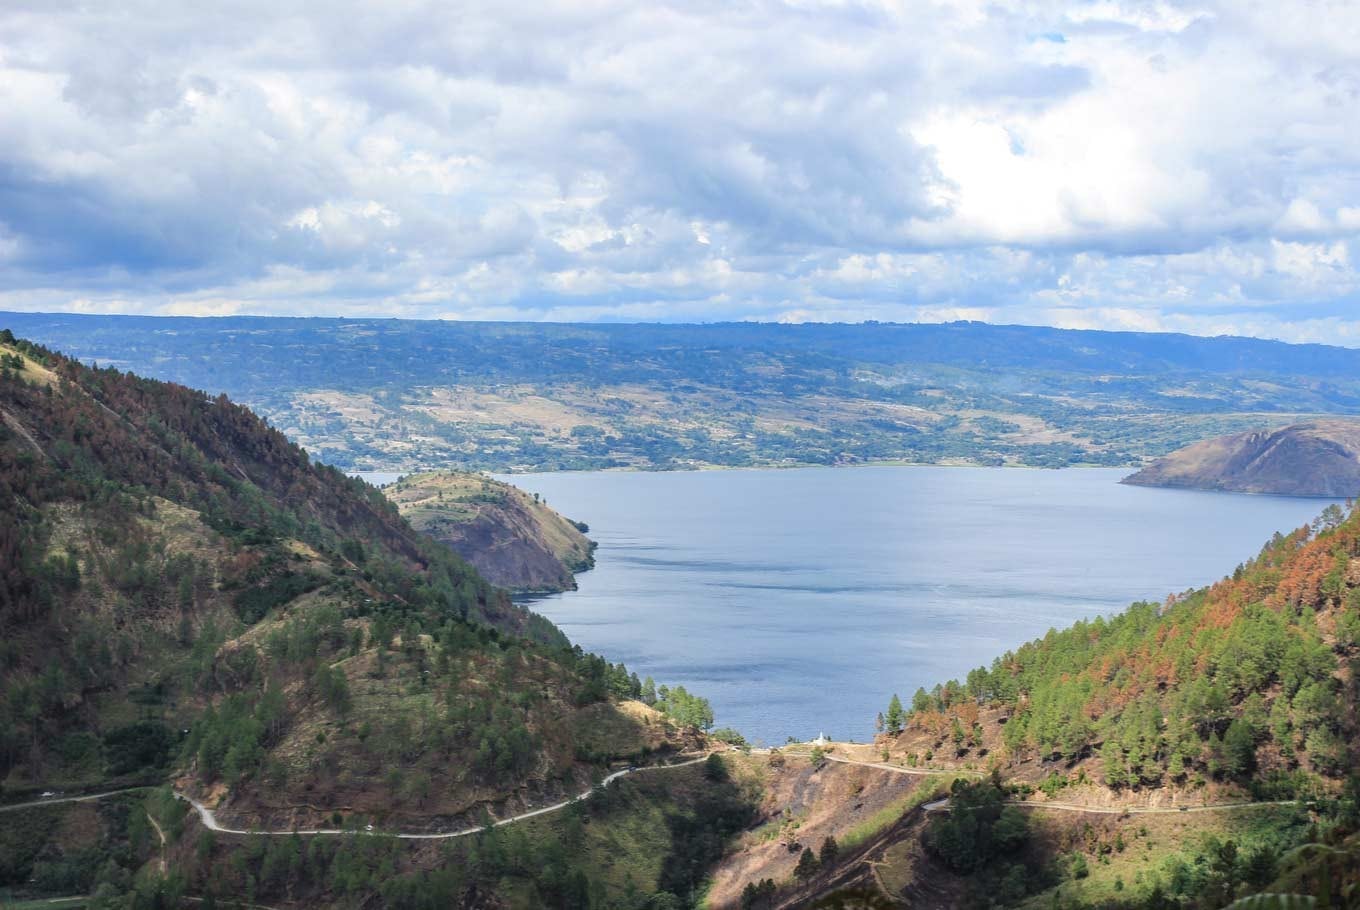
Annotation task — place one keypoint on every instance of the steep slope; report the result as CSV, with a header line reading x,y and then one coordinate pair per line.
x,y
183,591
141,519
1319,458
513,539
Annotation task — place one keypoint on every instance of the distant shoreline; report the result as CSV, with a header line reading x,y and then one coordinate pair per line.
x,y
720,468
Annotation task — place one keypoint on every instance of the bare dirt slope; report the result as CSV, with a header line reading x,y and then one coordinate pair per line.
x,y
1318,458
803,804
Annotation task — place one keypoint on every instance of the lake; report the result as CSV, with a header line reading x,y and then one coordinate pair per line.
x,y
798,601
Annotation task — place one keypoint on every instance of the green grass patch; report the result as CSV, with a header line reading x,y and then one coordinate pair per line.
x,y
931,788
1173,850
626,835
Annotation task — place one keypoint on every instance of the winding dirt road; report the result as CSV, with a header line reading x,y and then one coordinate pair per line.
x,y
900,770
1150,810
209,817
53,800
1057,807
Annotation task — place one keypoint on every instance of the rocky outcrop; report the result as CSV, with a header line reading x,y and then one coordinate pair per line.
x,y
1319,458
512,538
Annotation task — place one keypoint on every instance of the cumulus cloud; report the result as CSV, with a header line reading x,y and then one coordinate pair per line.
x,y
1189,166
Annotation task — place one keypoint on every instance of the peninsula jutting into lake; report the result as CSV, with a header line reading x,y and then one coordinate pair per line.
x,y
680,456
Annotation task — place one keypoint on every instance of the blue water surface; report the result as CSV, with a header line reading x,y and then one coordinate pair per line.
x,y
799,600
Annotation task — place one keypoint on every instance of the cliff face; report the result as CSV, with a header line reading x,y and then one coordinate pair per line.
x,y
1320,458
512,539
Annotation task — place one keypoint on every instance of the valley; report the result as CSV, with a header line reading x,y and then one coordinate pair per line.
x,y
259,679
809,455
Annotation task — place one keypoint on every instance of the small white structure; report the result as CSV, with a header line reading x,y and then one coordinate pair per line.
x,y
821,740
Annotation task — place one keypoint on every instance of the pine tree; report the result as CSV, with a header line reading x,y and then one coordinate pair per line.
x,y
894,718
830,850
1239,748
807,865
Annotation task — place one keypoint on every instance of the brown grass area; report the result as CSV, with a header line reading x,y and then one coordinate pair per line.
x,y
33,371
80,826
802,805
1033,430
353,407
513,404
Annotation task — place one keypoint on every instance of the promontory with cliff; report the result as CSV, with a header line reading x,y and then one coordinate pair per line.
x,y
511,537
1317,458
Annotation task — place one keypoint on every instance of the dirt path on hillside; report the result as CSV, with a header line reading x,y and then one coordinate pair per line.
x,y
209,817
160,832
56,800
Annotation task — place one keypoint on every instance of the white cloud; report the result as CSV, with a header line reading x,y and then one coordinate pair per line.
x,y
1187,165
1322,266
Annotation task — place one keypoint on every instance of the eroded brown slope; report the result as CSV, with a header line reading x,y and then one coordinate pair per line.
x,y
1318,458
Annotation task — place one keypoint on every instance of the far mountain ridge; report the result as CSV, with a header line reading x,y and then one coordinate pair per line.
x,y
1316,458
403,395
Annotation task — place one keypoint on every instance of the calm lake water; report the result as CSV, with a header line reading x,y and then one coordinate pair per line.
x,y
798,601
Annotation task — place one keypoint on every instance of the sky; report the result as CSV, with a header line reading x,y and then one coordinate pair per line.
x,y
1154,166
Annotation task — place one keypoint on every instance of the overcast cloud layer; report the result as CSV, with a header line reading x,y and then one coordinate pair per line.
x,y
1181,166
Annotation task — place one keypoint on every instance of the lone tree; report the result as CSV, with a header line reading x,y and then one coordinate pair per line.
x,y
714,769
830,850
807,865
895,715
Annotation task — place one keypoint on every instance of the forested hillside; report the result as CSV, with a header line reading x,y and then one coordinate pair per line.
x,y
408,395
182,590
141,516
1251,679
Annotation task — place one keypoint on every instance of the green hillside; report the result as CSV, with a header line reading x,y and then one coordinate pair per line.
x,y
1250,680
184,593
